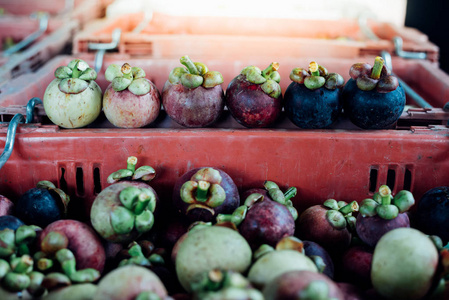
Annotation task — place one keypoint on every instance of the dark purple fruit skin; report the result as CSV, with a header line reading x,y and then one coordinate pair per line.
x,y
231,202
288,285
312,109
371,229
351,291
10,222
266,222
371,109
38,207
313,226
432,213
314,249
198,107
250,105
356,265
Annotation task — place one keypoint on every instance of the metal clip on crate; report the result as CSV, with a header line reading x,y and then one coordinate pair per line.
x,y
12,128
43,25
102,47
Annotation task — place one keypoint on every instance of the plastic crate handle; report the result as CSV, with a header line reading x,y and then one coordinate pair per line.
x,y
12,128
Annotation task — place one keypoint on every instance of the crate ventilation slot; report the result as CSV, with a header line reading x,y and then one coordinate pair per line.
x,y
391,178
373,173
79,181
62,181
97,181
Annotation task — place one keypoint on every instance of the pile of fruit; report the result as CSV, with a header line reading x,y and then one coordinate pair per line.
x,y
193,96
212,241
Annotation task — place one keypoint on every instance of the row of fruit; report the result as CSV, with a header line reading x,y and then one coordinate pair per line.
x,y
193,96
212,241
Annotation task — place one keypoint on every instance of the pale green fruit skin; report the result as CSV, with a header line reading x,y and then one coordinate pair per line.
x,y
276,263
83,291
404,264
125,283
72,110
210,248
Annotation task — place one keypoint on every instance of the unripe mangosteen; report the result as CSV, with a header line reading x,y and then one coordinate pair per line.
x,y
383,213
125,210
313,99
297,285
131,100
202,193
42,205
193,96
254,97
372,97
404,264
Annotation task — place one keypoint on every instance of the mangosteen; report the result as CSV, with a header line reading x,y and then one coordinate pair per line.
x,y
202,193
11,222
6,206
262,220
404,264
372,97
313,99
193,96
328,225
125,210
254,97
73,99
382,214
432,213
131,100
42,205
321,258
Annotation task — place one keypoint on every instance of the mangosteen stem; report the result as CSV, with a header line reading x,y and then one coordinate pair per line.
x,y
349,208
24,264
142,202
202,191
377,68
67,261
290,193
44,264
186,61
131,163
274,66
385,194
76,72
314,68
127,71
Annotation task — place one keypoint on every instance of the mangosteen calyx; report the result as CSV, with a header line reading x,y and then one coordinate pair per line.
x,y
385,205
316,77
127,77
283,198
268,79
143,173
67,260
339,214
377,77
194,74
17,242
137,211
75,77
203,190
135,255
285,243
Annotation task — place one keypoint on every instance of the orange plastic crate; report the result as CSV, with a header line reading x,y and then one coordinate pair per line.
x,y
171,36
345,164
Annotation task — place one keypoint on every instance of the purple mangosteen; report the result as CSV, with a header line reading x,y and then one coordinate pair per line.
x,y
193,96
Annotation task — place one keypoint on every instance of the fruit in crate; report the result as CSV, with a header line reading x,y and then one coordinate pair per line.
x,y
10,221
254,97
432,213
202,193
303,284
206,248
328,224
404,264
270,262
313,99
6,206
125,210
320,256
73,99
131,100
193,96
266,216
372,97
42,205
383,213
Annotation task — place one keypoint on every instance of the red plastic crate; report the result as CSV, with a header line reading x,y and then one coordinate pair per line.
x,y
345,164
170,36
